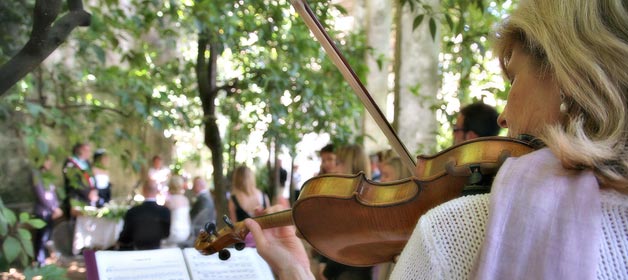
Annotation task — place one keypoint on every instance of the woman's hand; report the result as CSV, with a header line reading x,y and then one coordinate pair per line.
x,y
281,248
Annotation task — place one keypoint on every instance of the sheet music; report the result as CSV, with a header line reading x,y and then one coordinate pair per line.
x,y
242,265
166,264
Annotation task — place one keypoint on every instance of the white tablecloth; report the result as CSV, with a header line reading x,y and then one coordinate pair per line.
x,y
95,233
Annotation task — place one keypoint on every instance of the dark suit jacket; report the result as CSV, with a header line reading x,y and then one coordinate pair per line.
x,y
202,212
145,226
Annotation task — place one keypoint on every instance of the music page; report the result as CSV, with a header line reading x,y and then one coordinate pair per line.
x,y
166,264
242,265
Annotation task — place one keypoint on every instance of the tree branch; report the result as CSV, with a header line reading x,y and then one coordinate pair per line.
x,y
44,39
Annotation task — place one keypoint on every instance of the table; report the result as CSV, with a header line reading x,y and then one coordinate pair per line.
x,y
95,233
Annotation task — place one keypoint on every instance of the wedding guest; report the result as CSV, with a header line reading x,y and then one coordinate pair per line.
x,y
245,197
78,180
46,208
101,176
145,225
159,173
350,160
475,120
203,210
393,169
328,159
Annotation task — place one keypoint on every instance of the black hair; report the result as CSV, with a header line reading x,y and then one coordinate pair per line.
x,y
77,147
329,148
99,154
481,119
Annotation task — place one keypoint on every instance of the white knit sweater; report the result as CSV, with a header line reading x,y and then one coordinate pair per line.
x,y
448,238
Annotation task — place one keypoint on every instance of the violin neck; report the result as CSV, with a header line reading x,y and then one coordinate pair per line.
x,y
278,219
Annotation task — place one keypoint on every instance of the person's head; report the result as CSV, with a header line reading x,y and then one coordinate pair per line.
x,y
198,184
566,61
328,158
100,157
82,151
475,120
392,169
243,179
351,159
46,162
156,162
175,185
150,189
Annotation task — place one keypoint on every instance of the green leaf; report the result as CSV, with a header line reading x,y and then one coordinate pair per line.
x,y
450,22
433,28
27,244
9,216
341,9
24,234
4,227
24,217
37,223
417,21
100,53
11,248
46,272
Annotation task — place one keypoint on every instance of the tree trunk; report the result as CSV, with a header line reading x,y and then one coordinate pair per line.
x,y
417,70
377,21
45,38
206,73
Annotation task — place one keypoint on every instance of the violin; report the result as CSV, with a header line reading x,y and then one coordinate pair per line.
x,y
357,222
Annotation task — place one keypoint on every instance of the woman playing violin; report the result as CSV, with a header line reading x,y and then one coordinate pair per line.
x,y
560,212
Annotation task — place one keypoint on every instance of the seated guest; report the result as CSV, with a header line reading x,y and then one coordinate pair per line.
x,y
203,210
179,206
475,120
147,224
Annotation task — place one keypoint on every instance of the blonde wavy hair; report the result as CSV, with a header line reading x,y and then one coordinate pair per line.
x,y
243,179
396,164
175,185
355,159
583,45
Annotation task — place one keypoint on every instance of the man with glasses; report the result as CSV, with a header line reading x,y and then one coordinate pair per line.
x,y
475,120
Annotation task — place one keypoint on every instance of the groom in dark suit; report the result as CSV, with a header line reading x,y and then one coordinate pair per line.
x,y
147,224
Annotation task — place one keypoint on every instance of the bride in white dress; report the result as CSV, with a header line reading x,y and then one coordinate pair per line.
x,y
179,205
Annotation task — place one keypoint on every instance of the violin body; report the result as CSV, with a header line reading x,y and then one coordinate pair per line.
x,y
354,221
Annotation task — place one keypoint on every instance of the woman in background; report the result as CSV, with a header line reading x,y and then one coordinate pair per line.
x,y
179,205
46,208
350,160
392,169
101,176
245,197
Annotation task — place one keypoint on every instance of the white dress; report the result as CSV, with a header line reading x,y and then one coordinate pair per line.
x,y
180,224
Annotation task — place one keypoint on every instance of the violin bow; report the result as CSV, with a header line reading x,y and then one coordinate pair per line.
x,y
303,9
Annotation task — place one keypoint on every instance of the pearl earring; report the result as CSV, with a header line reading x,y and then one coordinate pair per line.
x,y
563,104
